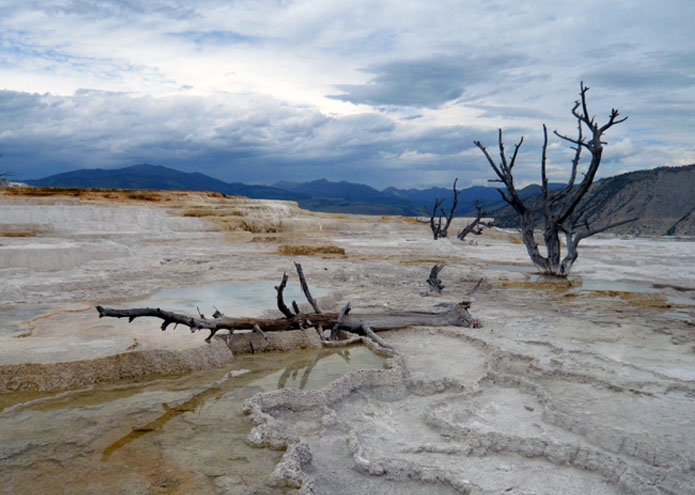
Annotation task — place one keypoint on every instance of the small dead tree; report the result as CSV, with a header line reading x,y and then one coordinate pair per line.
x,y
560,212
440,225
344,328
477,225
439,230
434,281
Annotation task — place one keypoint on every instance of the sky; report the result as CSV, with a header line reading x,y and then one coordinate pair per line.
x,y
387,93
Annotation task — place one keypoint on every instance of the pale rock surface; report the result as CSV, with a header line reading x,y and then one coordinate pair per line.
x,y
571,387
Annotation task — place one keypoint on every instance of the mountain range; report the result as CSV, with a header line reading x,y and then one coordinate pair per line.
x,y
147,176
318,195
663,198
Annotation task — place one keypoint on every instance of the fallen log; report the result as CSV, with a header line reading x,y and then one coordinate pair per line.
x,y
360,324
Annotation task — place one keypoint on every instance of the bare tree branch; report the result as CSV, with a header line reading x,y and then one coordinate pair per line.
x,y
490,160
280,300
341,316
475,227
588,232
516,152
305,288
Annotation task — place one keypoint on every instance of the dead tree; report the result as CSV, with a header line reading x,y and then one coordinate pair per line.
x,y
560,212
338,323
476,226
439,230
433,280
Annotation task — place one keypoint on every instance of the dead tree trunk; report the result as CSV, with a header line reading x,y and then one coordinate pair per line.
x,y
476,226
433,280
560,207
360,324
439,230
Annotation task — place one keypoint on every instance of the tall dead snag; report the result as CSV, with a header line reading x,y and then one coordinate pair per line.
x,y
559,207
439,230
476,226
338,323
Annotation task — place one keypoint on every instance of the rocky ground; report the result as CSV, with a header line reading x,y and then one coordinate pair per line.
x,y
578,386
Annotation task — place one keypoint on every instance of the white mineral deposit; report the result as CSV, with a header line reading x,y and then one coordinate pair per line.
x,y
573,386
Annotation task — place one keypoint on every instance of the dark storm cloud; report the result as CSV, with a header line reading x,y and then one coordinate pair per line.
x,y
266,142
425,82
263,142
510,112
14,103
649,71
641,78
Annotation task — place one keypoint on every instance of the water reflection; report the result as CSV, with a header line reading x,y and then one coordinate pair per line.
x,y
321,366
216,391
291,372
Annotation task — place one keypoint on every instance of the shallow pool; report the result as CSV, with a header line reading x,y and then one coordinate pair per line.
x,y
75,332
232,298
171,434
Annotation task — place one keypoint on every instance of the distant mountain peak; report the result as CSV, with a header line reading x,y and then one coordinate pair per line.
x,y
148,176
146,166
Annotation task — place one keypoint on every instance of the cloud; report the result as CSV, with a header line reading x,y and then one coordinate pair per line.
x,y
256,139
98,9
644,78
511,112
216,37
425,82
387,92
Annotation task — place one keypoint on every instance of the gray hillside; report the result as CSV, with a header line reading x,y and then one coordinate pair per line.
x,y
662,198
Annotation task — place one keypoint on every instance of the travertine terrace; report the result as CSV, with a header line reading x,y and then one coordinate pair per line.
x,y
579,386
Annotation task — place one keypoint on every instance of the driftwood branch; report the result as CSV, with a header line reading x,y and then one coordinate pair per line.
x,y
260,332
457,316
280,299
341,316
360,324
477,286
305,288
370,333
